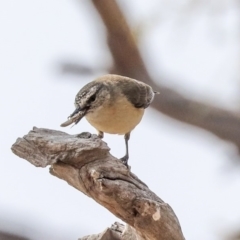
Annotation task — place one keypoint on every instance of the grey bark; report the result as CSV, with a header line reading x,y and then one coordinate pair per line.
x,y
85,163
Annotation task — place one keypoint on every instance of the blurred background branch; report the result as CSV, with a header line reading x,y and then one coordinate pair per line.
x,y
128,62
187,49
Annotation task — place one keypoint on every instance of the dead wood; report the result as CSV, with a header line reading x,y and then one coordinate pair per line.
x,y
85,163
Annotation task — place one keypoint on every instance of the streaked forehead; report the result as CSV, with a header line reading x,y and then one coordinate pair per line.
x,y
88,90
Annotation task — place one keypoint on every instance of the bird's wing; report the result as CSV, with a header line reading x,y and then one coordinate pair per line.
x,y
138,93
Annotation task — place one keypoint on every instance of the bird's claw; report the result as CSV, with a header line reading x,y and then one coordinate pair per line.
x,y
124,160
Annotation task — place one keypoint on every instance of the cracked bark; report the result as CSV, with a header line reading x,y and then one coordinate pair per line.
x,y
84,162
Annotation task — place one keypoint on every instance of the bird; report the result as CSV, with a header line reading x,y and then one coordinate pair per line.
x,y
112,104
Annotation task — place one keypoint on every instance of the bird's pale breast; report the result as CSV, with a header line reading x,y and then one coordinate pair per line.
x,y
118,118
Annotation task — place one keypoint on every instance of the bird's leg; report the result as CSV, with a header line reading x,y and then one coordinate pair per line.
x,y
125,158
100,134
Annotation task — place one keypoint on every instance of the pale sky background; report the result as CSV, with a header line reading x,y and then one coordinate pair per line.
x,y
193,44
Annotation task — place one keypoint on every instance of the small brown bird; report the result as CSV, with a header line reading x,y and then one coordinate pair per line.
x,y
112,104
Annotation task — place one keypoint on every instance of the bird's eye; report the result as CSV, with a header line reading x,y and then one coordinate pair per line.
x,y
92,98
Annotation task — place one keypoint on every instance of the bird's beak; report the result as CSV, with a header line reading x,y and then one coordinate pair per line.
x,y
75,117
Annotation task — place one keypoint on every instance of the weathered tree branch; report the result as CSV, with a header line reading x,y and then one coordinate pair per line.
x,y
85,163
128,61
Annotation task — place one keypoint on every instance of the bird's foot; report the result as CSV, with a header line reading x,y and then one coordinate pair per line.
x,y
124,160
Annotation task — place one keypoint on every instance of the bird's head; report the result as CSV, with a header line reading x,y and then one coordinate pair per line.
x,y
88,99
